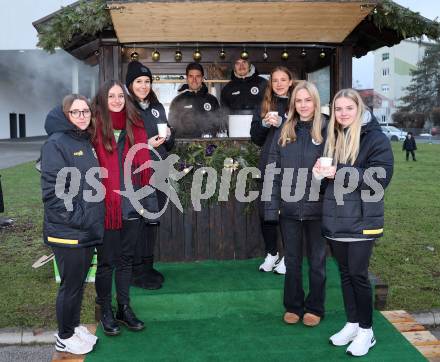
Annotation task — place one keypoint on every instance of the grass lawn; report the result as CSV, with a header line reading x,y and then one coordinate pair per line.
x,y
407,257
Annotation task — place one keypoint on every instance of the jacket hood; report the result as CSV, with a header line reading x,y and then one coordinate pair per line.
x,y
369,122
253,72
185,88
56,121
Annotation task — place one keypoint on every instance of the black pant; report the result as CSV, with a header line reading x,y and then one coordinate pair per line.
x,y
353,260
292,232
144,249
73,266
412,154
116,253
270,237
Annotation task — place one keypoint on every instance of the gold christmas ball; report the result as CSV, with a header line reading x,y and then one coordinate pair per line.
x,y
178,56
284,55
197,56
134,56
155,56
322,54
222,54
303,53
244,55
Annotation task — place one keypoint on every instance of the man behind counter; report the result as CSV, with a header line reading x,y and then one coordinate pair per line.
x,y
194,111
245,90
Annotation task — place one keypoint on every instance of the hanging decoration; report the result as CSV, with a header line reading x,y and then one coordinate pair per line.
x,y
178,55
197,55
155,55
222,54
322,54
284,55
303,52
244,54
134,56
265,54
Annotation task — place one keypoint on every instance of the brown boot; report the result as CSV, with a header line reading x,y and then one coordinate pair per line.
x,y
291,318
311,320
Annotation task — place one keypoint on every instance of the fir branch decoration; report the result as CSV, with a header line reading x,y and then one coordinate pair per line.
x,y
83,18
218,155
405,22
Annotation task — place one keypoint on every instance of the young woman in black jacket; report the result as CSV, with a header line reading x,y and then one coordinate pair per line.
x,y
296,201
139,83
268,117
118,128
71,228
353,209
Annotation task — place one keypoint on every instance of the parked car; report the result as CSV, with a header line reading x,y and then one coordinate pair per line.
x,y
393,133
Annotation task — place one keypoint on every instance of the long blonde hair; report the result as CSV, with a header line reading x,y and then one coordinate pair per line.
x,y
269,100
288,133
343,144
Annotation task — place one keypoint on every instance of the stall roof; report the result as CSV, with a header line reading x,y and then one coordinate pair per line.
x,y
237,21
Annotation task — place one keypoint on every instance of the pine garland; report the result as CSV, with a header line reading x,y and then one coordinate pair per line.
x,y
84,18
406,23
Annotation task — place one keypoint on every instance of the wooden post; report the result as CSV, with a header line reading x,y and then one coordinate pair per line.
x,y
110,64
341,68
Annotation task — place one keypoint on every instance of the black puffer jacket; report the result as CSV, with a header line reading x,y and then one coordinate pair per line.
x,y
243,93
262,136
194,113
357,218
69,147
301,154
409,144
151,116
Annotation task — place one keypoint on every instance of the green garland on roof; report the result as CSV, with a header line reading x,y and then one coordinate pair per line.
x,y
405,22
83,18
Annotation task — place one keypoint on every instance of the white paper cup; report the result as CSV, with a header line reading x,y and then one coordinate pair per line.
x,y
326,161
162,130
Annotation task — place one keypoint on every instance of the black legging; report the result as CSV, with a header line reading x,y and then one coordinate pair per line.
x,y
353,260
73,266
294,232
116,253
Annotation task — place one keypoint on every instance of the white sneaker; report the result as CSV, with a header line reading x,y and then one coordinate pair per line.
x,y
73,345
280,267
269,263
362,343
83,333
345,335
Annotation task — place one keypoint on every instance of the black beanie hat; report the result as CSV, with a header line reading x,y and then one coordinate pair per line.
x,y
136,69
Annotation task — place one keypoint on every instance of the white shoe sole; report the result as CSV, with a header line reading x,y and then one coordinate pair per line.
x,y
341,344
363,354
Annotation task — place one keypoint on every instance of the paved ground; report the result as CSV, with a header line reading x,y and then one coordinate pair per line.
x,y
15,152
42,353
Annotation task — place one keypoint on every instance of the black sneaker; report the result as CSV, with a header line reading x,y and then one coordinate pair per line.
x,y
108,322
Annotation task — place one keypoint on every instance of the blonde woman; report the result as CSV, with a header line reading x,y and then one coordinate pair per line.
x,y
353,209
295,149
268,117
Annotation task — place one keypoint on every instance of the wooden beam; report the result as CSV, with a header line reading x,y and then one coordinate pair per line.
x,y
341,68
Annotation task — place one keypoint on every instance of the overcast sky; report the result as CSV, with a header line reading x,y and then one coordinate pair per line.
x,y
363,67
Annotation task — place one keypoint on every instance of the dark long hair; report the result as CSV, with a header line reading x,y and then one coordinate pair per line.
x,y
269,100
67,103
102,114
150,98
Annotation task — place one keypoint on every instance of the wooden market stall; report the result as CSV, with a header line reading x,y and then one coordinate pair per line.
x,y
307,36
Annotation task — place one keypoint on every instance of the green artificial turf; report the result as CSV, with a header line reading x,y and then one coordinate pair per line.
x,y
228,311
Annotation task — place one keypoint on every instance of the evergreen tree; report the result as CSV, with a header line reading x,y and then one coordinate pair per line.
x,y
423,93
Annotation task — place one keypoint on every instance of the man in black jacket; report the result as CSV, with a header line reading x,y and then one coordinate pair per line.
x,y
245,91
194,111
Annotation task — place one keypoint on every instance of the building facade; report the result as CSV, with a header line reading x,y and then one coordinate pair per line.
x,y
392,74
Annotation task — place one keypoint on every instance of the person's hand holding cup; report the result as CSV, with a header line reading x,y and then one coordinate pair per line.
x,y
326,168
273,119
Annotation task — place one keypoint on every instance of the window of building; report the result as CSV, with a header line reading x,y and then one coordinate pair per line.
x,y
386,72
384,118
385,56
385,88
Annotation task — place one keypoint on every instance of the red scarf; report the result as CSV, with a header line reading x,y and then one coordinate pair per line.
x,y
110,161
